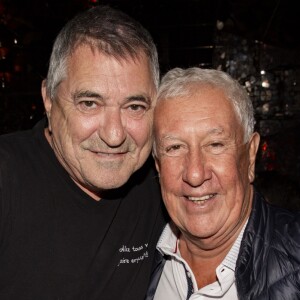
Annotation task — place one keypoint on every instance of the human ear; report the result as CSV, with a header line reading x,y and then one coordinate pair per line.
x,y
253,148
47,103
157,165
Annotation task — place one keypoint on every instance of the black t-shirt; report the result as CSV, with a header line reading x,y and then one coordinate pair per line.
x,y
56,242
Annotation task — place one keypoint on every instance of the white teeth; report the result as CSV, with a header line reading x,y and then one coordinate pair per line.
x,y
201,199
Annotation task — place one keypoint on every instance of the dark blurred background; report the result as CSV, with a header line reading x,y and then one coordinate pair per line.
x,y
256,41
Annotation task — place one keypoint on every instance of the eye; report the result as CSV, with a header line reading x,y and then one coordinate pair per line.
x,y
87,105
137,107
215,147
136,110
174,150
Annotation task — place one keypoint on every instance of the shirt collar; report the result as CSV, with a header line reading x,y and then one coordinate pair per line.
x,y
168,243
231,258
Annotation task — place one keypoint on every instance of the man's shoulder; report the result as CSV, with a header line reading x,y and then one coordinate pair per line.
x,y
19,147
277,226
20,138
14,143
284,220
287,225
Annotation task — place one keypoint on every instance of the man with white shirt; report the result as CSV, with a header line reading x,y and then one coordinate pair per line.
x,y
224,240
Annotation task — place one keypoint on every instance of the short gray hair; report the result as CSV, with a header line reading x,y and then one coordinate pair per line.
x,y
178,82
107,30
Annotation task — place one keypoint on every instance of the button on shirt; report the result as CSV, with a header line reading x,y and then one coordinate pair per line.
x,y
178,282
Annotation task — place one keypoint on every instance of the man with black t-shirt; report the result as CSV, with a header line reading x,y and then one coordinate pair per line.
x,y
80,208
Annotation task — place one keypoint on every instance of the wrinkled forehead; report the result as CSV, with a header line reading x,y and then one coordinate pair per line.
x,y
197,96
205,107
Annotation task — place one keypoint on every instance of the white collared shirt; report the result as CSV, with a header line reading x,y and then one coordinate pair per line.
x,y
173,283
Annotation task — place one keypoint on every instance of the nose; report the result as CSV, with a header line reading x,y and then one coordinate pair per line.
x,y
196,170
113,128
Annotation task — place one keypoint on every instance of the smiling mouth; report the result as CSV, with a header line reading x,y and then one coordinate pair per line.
x,y
201,200
110,153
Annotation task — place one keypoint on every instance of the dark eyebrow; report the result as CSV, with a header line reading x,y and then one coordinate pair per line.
x,y
94,95
86,94
141,98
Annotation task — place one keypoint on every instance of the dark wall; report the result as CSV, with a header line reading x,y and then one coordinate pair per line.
x,y
241,37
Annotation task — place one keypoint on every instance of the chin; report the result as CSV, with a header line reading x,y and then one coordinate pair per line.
x,y
112,183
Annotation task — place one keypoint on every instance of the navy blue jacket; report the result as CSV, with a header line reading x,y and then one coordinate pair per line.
x,y
268,264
